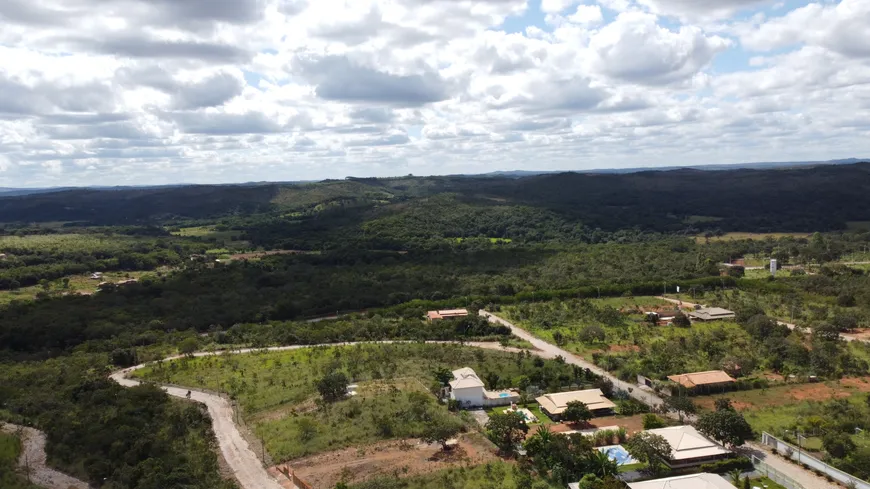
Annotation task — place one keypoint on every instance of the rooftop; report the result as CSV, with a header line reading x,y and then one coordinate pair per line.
x,y
557,403
688,444
694,481
701,378
711,313
464,378
447,313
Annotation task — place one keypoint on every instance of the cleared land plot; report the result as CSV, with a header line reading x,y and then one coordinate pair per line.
x,y
278,396
408,458
777,408
621,341
496,474
78,284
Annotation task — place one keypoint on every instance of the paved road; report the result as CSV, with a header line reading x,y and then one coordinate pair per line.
x,y
33,458
548,350
805,478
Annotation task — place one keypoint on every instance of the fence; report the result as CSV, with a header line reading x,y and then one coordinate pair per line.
x,y
761,468
805,458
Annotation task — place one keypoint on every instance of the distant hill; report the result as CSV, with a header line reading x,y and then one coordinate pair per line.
x,y
800,197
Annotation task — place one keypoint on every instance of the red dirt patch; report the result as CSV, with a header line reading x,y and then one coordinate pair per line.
x,y
860,383
859,334
399,458
815,392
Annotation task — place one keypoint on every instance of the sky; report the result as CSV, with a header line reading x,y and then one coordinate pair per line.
x,y
136,92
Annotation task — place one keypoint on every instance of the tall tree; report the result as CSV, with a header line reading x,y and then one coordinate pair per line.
x,y
726,426
651,449
577,412
506,430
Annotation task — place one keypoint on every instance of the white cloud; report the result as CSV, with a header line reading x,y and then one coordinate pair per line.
x,y
587,15
635,48
161,91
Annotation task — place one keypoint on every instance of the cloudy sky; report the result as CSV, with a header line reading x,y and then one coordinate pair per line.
x,y
169,91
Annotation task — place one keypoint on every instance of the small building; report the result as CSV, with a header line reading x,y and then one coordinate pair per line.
x,y
693,481
703,380
555,404
711,314
2,256
689,447
467,388
446,314
97,276
128,281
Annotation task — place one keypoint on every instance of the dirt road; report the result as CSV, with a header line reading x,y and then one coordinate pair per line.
x,y
247,468
552,351
33,458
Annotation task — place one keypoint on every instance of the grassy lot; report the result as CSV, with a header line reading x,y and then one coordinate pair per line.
x,y
778,408
82,284
278,396
766,483
624,343
501,475
754,236
64,243
534,407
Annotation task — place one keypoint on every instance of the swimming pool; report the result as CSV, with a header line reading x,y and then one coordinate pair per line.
x,y
618,454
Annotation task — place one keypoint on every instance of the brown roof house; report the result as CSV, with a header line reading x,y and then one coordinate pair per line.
x,y
704,381
446,314
555,404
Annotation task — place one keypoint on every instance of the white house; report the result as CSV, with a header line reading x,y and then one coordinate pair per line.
x,y
690,448
694,481
467,388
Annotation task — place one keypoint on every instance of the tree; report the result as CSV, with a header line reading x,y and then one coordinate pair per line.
x,y
652,422
333,386
736,272
492,379
307,429
443,375
651,449
506,430
681,320
681,405
838,445
723,404
826,332
577,412
601,465
605,385
559,338
188,346
725,426
440,429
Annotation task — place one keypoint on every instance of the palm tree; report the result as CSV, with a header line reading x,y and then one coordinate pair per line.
x,y
735,475
601,464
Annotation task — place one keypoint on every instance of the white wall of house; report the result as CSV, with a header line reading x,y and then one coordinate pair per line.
x,y
469,396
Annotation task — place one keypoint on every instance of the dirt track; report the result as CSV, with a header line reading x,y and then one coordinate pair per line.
x,y
245,465
33,457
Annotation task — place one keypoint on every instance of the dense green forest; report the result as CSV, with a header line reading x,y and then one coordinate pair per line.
x,y
388,250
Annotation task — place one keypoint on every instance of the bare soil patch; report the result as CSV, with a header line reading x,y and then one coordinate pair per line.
x,y
404,458
859,334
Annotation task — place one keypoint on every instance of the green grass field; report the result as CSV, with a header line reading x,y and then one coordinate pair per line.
x,y
278,396
82,284
64,243
543,419
778,408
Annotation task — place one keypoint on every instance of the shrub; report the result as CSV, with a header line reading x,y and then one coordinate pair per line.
x,y
725,466
652,422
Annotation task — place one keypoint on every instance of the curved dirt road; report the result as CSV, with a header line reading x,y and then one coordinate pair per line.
x,y
33,457
247,468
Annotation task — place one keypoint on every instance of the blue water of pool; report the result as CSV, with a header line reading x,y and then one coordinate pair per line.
x,y
504,394
618,454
